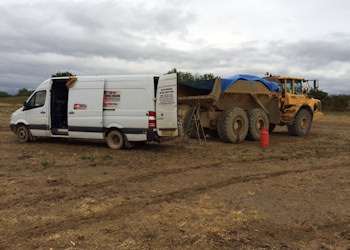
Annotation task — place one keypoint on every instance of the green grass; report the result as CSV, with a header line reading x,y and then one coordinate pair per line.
x,y
88,157
46,164
337,113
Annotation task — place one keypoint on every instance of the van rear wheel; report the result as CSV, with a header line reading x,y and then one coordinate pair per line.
x,y
115,139
23,134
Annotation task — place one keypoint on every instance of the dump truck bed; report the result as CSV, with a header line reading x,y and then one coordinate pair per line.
x,y
244,94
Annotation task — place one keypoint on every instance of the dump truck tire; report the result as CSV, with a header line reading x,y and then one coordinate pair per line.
x,y
23,134
302,124
233,125
258,119
115,139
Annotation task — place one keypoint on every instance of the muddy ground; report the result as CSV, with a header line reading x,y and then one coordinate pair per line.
x,y
70,194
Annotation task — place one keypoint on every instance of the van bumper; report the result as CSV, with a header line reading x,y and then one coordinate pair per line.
x,y
139,134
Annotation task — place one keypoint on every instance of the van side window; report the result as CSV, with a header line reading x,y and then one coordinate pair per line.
x,y
37,100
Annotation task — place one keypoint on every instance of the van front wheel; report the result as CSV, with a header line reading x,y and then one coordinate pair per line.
x,y
23,134
115,139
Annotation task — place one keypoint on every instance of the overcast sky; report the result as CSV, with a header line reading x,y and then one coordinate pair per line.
x,y
303,38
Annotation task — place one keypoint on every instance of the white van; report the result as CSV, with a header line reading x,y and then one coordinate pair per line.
x,y
120,109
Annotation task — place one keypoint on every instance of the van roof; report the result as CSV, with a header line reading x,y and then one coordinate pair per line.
x,y
109,77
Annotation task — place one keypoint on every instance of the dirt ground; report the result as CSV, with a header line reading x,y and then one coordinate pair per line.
x,y
71,194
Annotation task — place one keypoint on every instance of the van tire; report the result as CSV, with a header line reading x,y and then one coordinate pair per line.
x,y
233,125
258,119
302,123
23,134
115,139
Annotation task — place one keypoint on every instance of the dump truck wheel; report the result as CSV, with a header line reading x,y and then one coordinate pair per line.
x,y
23,134
302,124
257,121
233,125
190,130
115,139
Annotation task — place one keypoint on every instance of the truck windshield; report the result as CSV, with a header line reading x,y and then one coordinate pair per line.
x,y
298,87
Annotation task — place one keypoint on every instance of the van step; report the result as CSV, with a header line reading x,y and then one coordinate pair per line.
x,y
59,131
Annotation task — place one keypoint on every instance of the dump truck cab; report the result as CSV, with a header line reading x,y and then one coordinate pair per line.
x,y
298,110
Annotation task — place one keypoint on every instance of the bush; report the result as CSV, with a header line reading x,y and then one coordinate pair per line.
x,y
4,94
339,103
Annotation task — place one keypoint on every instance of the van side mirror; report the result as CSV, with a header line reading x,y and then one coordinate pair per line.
x,y
25,105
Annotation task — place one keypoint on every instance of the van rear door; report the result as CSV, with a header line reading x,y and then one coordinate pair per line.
x,y
166,106
85,109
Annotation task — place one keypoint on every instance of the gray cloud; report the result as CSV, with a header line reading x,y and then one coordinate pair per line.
x,y
130,37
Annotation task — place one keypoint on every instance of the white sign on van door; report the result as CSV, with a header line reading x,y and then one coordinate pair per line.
x,y
167,95
111,99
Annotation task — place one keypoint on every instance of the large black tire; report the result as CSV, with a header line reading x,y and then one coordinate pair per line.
x,y
258,119
190,130
302,124
115,139
23,134
233,125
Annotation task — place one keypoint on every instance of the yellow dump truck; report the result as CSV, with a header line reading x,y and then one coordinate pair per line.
x,y
238,107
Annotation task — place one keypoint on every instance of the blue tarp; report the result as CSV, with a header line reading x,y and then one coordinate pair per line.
x,y
205,84
227,82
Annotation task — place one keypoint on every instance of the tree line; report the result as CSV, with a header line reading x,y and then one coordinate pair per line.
x,y
26,92
339,103
329,102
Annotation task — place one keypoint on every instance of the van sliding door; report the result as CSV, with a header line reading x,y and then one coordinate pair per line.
x,y
85,110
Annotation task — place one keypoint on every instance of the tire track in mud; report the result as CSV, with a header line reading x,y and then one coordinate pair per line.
x,y
80,190
127,208
183,193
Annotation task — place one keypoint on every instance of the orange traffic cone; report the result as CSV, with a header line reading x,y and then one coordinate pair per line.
x,y
264,138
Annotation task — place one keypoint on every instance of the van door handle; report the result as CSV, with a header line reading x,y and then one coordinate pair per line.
x,y
71,113
42,112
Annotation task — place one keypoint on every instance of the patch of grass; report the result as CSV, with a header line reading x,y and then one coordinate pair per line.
x,y
88,157
106,157
46,164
